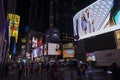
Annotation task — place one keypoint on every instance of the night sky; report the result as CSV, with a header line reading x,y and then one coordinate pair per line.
x,y
22,9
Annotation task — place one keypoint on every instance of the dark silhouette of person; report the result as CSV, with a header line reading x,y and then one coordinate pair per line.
x,y
47,66
26,71
31,67
20,70
6,69
115,71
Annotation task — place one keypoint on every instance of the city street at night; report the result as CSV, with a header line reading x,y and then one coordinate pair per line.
x,y
64,74
59,39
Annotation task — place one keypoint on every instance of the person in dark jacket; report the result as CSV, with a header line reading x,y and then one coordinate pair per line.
x,y
20,68
115,71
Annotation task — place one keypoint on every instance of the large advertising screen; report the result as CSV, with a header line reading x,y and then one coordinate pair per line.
x,y
54,49
96,19
90,56
38,51
68,50
14,21
117,18
35,39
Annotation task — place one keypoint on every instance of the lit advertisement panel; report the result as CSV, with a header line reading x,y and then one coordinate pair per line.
x,y
45,49
95,19
38,51
68,51
35,39
54,49
40,41
90,56
117,35
14,21
34,42
117,18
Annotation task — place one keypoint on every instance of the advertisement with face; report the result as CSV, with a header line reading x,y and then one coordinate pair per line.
x,y
35,39
96,19
54,49
34,42
38,52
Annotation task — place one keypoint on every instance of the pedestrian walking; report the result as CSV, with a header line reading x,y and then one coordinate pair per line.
x,y
26,70
20,70
115,71
6,69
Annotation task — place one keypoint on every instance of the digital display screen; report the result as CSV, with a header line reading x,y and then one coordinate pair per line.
x,y
95,19
35,39
68,50
68,53
34,42
91,56
38,51
54,49
117,18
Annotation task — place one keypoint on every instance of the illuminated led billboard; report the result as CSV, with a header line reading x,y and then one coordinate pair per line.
x,y
38,51
117,18
90,56
96,19
14,21
35,39
68,50
54,49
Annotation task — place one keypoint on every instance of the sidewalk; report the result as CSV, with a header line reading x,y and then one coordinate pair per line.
x,y
96,74
66,74
91,74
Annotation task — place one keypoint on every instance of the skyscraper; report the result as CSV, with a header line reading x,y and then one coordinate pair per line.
x,y
39,15
61,13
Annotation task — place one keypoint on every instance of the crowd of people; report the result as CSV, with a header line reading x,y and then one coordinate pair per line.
x,y
23,70
51,71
